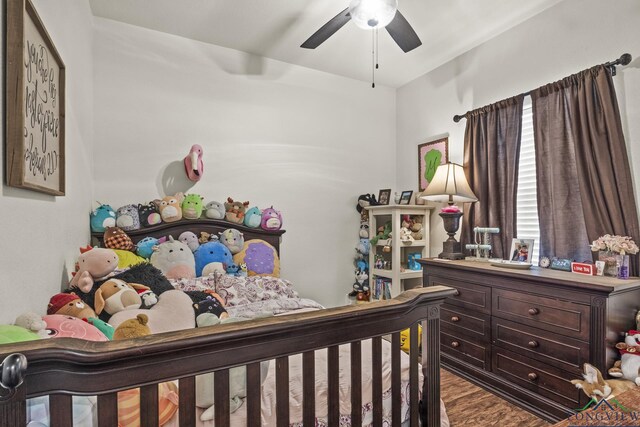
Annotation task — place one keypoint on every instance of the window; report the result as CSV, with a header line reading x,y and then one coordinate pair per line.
x,y
527,204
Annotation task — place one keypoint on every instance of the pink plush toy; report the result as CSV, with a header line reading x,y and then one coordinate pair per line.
x,y
93,264
193,165
60,326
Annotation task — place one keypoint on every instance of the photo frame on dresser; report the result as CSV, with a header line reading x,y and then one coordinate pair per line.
x,y
521,250
35,115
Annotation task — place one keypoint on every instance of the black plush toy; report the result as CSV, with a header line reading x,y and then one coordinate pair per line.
x,y
149,215
210,305
365,200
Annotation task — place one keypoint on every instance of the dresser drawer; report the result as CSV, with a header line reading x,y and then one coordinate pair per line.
x,y
465,349
562,317
466,322
468,295
538,377
545,346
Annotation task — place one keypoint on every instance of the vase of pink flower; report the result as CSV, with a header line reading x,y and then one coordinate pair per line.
x,y
614,250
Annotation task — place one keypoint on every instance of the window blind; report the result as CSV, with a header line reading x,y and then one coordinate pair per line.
x,y
527,205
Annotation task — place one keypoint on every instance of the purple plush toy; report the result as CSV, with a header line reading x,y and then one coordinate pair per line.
x,y
271,219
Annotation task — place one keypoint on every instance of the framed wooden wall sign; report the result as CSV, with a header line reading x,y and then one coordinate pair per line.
x,y
35,104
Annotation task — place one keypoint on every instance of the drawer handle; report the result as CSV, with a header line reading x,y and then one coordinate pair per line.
x,y
532,376
456,293
533,344
455,319
533,311
455,344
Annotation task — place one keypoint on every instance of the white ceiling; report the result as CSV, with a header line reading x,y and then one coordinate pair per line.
x,y
276,28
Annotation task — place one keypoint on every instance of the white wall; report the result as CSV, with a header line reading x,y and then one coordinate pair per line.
x,y
567,38
305,141
41,232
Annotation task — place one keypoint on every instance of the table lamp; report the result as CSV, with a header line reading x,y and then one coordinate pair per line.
x,y
449,184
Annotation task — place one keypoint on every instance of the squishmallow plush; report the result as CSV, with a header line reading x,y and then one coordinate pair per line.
x,y
210,305
93,264
115,238
127,259
271,219
69,305
214,210
174,259
232,239
11,333
192,206
127,218
253,217
59,326
149,215
116,295
170,207
235,210
149,299
260,257
210,255
144,248
104,216
189,239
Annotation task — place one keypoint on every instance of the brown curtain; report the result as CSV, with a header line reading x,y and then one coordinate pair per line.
x,y
583,176
491,156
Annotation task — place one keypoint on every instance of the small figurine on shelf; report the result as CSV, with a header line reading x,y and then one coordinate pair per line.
x,y
379,262
361,287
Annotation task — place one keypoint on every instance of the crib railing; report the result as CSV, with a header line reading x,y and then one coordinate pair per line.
x,y
62,368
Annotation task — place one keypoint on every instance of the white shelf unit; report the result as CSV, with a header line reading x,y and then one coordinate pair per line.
x,y
378,216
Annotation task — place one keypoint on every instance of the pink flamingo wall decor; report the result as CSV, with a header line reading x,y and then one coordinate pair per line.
x,y
193,165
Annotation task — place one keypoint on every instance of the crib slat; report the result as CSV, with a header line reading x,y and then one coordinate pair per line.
x,y
187,401
282,391
376,367
356,384
13,412
413,374
308,388
253,395
60,410
149,405
108,410
396,398
221,397
333,373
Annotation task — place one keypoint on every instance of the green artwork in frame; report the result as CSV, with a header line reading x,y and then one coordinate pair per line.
x,y
431,155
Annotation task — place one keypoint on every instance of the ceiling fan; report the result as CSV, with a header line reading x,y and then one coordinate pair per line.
x,y
369,14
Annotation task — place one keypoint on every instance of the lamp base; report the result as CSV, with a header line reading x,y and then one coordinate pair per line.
x,y
451,250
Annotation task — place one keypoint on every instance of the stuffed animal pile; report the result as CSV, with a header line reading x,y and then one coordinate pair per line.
x,y
180,206
361,290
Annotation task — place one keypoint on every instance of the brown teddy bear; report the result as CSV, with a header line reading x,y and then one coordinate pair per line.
x,y
69,305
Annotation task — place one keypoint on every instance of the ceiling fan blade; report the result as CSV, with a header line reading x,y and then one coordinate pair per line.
x,y
327,30
402,33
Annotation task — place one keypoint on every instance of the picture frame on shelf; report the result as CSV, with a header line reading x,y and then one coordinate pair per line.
x,y
521,250
35,113
405,198
431,155
384,196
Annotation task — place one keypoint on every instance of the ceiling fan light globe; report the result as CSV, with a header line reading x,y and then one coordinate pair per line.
x,y
370,14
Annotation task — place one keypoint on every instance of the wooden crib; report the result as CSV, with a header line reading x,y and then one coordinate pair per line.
x,y
62,368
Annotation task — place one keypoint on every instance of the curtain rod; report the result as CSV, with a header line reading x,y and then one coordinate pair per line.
x,y
625,59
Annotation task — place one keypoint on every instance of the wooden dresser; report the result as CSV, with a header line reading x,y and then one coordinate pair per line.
x,y
523,334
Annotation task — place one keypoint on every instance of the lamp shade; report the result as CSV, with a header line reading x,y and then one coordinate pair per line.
x,y
449,184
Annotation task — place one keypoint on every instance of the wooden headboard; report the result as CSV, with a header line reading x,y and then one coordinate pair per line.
x,y
211,226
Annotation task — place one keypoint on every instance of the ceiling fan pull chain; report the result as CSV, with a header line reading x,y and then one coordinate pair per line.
x,y
373,59
377,48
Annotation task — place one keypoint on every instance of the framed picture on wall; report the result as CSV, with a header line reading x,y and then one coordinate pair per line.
x,y
431,155
35,85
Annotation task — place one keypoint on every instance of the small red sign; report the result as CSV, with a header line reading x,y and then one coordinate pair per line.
x,y
583,268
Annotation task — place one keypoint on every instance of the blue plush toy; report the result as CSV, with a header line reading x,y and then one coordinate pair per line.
x,y
233,270
145,247
253,217
210,253
104,216
363,246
